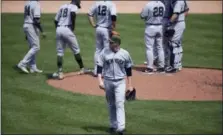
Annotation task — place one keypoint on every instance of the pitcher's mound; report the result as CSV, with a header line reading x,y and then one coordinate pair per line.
x,y
188,84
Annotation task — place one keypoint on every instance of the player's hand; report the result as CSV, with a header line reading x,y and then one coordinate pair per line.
x,y
113,32
43,35
130,88
101,86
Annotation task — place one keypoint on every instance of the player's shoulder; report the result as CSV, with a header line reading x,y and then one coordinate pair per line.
x,y
124,51
33,3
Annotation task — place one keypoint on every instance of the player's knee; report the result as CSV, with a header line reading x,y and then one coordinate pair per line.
x,y
76,51
36,48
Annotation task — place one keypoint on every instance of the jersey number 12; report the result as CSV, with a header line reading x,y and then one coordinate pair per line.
x,y
158,11
102,10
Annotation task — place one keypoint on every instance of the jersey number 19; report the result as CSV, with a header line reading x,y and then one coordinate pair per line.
x,y
158,11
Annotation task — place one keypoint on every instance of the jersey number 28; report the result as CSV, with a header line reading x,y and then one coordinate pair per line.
x,y
158,11
102,10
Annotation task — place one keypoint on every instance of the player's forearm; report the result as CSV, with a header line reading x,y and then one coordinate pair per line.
x,y
113,25
91,20
38,25
56,23
100,78
129,81
173,17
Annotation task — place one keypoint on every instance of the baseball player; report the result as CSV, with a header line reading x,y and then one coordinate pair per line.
x,y
177,23
105,14
31,27
65,25
153,14
117,64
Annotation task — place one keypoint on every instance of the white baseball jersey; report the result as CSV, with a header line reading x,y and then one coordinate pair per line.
x,y
63,16
179,7
31,10
114,64
153,12
103,11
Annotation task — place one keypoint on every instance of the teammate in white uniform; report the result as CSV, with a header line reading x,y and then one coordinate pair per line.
x,y
105,14
31,28
153,14
65,25
117,64
177,22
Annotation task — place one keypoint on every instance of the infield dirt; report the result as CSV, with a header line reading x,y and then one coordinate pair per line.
x,y
189,84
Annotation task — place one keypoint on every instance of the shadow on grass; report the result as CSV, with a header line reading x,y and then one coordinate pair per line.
x,y
15,67
97,128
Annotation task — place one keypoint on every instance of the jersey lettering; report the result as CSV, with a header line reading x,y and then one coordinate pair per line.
x,y
102,10
27,11
158,11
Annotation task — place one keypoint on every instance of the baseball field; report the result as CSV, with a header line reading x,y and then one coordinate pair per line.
x,y
189,102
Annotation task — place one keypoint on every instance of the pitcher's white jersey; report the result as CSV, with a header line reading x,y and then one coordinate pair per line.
x,y
114,64
63,16
153,12
31,10
103,10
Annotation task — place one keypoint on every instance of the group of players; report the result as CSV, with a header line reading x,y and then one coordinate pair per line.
x,y
111,61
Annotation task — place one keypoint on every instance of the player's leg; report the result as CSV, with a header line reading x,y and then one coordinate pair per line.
x,y
160,51
99,48
120,88
60,46
181,47
176,46
32,63
149,42
166,47
33,40
110,97
74,46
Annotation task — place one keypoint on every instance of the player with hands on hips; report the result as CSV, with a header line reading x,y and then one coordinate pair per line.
x,y
65,25
31,27
105,14
117,64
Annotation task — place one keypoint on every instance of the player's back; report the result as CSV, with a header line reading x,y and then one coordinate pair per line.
x,y
64,14
103,11
156,11
31,10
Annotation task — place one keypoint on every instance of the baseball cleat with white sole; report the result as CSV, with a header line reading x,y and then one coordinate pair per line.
x,y
23,69
84,71
58,75
149,71
36,70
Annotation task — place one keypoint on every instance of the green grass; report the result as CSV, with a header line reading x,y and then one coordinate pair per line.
x,y
30,106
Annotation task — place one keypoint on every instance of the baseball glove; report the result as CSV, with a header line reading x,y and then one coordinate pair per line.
x,y
169,33
130,95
